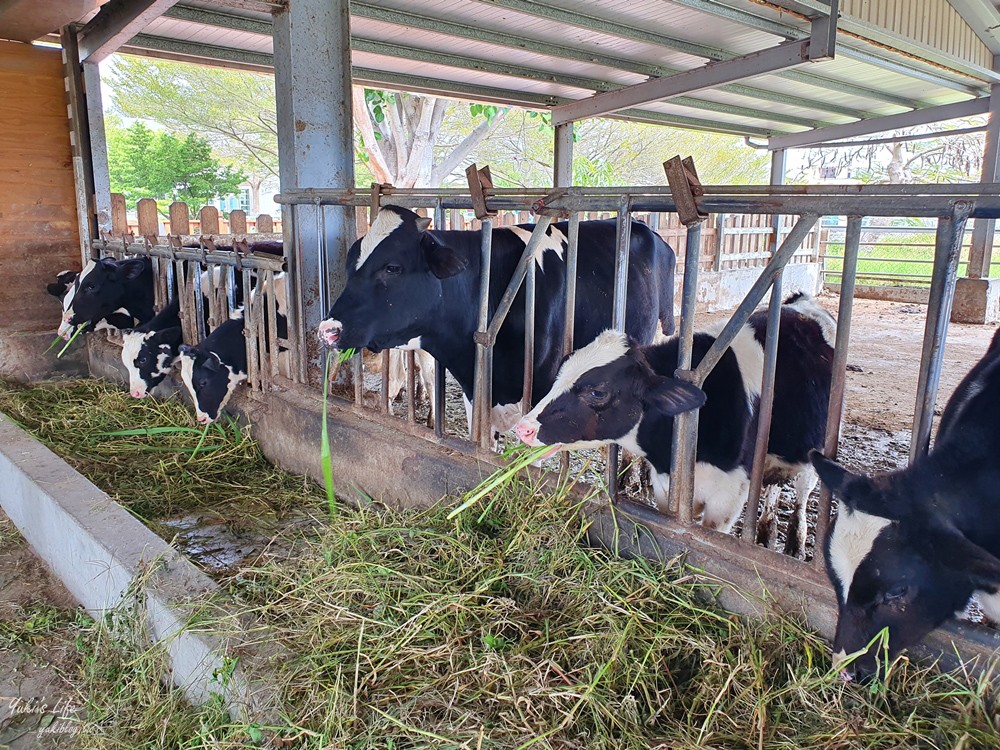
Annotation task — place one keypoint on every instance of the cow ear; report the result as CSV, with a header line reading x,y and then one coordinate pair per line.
x,y
186,350
168,336
422,224
132,268
832,474
443,261
953,549
671,397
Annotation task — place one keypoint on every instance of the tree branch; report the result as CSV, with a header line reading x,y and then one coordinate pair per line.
x,y
461,152
376,160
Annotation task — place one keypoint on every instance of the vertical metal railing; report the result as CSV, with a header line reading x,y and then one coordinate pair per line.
x,y
483,393
623,239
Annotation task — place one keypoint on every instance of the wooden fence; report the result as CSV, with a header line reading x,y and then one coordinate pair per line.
x,y
181,220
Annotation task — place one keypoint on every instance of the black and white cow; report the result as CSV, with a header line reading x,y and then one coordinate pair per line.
x,y
910,547
615,391
149,351
64,280
211,370
410,287
109,293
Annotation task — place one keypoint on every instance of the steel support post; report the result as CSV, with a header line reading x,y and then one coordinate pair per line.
x,y
947,249
766,401
482,393
838,383
685,435
437,402
572,256
983,230
562,153
622,243
312,67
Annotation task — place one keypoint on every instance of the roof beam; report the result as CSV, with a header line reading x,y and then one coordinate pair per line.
x,y
115,24
967,108
603,26
983,18
783,56
859,50
361,44
207,54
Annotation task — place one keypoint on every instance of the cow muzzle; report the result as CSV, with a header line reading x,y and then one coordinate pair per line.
x,y
527,430
329,332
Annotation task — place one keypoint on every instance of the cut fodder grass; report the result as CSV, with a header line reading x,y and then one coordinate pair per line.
x,y
500,630
146,454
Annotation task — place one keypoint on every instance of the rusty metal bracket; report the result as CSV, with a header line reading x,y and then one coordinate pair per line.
x,y
540,206
175,243
377,191
242,246
685,188
480,185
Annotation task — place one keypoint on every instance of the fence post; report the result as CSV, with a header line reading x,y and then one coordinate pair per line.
x,y
265,224
209,218
119,218
180,219
238,221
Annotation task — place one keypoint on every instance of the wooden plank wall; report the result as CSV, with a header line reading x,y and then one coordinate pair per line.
x,y
38,224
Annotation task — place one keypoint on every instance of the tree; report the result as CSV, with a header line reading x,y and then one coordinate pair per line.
x,y
941,159
397,134
148,164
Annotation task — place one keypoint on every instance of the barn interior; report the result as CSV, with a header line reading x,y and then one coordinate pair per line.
x,y
784,74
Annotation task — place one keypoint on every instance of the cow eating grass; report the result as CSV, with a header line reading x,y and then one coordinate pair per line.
x,y
910,547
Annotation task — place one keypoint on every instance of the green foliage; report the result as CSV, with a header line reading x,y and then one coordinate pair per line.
x,y
148,164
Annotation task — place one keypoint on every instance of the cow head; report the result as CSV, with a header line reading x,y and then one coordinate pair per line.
x,y
600,396
98,292
148,357
64,280
393,287
209,381
896,565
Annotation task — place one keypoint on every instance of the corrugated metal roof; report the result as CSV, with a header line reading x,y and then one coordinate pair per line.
x,y
552,51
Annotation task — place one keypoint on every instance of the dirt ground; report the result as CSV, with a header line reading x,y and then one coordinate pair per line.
x,y
39,662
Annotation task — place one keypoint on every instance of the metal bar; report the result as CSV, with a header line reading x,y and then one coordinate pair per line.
x,y
572,256
249,328
217,257
983,229
562,152
684,440
529,337
753,297
98,150
211,317
751,530
623,240
942,293
260,332
520,271
482,402
411,387
923,116
272,324
838,383
437,402
384,387
358,366
785,55
115,24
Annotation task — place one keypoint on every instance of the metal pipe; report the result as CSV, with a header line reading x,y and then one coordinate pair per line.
x,y
572,256
529,336
764,411
411,387
437,402
838,382
623,240
482,401
358,365
249,328
753,297
272,324
942,293
384,388
684,440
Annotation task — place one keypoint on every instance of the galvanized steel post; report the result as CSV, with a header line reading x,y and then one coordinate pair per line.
x,y
981,252
482,393
838,383
685,435
312,66
947,249
622,244
562,152
437,402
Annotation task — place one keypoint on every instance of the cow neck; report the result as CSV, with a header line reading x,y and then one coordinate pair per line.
x,y
451,342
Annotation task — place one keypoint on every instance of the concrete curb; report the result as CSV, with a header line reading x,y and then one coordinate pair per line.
x,y
107,558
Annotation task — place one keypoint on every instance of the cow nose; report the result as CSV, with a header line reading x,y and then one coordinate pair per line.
x,y
204,419
136,393
329,332
527,431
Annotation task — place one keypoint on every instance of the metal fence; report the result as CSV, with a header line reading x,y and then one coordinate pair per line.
x,y
892,253
949,205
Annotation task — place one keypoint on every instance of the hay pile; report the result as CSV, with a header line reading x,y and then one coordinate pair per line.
x,y
498,630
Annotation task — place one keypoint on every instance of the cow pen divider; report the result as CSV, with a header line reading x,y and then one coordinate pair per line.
x,y
951,205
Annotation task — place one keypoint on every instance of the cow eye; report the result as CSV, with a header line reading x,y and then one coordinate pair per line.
x,y
89,286
393,268
596,396
895,594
